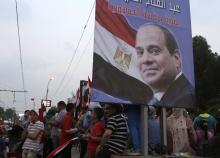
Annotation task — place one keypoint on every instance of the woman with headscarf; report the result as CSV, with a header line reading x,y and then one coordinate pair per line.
x,y
181,134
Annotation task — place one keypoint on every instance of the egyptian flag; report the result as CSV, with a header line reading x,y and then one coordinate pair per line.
x,y
77,97
88,90
89,84
85,92
116,78
62,148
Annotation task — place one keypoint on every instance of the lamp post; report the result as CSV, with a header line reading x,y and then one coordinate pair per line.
x,y
48,83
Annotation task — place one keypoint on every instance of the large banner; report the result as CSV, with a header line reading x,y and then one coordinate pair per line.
x,y
143,53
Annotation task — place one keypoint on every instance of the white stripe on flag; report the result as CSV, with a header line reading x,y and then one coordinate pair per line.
x,y
106,44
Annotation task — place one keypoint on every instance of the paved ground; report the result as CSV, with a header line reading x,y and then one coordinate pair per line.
x,y
75,153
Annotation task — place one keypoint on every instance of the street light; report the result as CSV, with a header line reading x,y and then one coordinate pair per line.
x,y
50,79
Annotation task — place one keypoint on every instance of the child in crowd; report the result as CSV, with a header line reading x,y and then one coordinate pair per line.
x,y
96,133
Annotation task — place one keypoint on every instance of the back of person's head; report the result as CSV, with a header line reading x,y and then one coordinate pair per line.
x,y
203,109
116,108
119,108
61,104
26,111
99,112
70,107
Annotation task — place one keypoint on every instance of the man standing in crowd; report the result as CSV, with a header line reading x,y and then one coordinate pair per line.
x,y
205,126
67,124
33,134
62,111
67,127
61,106
115,137
24,119
159,63
208,119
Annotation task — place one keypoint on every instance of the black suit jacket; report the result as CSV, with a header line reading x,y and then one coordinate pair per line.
x,y
179,94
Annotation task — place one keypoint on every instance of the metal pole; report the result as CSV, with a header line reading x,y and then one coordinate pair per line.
x,y
46,93
164,128
144,132
47,89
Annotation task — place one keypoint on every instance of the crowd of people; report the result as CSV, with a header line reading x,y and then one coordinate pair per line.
x,y
187,133
104,130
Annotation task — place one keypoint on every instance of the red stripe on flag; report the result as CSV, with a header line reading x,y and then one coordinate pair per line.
x,y
89,82
77,93
61,148
114,23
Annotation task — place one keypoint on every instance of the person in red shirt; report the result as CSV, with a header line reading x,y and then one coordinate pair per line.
x,y
67,124
97,130
67,133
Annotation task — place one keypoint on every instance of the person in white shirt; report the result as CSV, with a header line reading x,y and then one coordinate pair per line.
x,y
33,134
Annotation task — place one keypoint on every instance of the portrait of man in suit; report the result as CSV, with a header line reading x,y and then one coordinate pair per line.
x,y
159,63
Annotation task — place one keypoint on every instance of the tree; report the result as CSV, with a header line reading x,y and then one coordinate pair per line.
x,y
207,76
2,112
9,114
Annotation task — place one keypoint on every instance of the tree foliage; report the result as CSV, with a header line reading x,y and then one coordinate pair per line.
x,y
7,114
2,112
207,72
